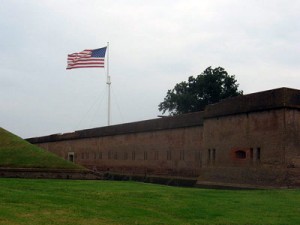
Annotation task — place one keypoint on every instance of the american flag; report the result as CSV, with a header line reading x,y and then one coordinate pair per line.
x,y
89,58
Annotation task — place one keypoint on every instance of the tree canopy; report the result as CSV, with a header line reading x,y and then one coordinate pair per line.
x,y
209,87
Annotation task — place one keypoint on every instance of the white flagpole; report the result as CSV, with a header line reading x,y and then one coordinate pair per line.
x,y
108,82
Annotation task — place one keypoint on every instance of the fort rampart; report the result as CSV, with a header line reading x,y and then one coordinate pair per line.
x,y
250,140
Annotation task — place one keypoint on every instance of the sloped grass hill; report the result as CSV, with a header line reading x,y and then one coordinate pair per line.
x,y
18,153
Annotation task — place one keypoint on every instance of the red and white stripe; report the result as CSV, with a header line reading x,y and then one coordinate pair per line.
x,y
84,60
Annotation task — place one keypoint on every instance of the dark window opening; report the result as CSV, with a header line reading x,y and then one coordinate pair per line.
x,y
258,154
181,155
115,155
99,155
169,156
214,154
71,157
240,154
156,155
197,156
125,155
145,156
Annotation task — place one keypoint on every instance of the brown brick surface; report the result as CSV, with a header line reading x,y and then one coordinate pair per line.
x,y
248,140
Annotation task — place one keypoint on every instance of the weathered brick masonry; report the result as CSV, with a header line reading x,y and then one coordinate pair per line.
x,y
169,146
251,140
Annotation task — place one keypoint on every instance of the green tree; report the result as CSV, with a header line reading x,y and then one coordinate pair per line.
x,y
209,87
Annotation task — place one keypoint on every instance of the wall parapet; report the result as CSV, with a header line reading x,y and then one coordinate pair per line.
x,y
165,123
260,101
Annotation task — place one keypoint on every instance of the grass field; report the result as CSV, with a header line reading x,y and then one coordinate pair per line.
x,y
24,201
17,153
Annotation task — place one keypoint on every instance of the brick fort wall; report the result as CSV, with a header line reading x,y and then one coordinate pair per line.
x,y
250,140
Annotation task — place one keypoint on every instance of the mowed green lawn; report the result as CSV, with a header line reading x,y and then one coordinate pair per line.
x,y
24,201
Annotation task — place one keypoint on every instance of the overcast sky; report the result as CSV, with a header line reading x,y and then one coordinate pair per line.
x,y
153,46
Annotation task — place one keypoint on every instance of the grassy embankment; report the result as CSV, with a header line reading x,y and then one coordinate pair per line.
x,y
67,202
17,153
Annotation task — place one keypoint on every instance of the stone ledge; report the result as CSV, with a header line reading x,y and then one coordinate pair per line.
x,y
234,186
164,180
48,173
